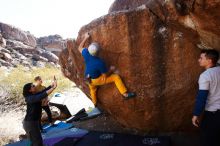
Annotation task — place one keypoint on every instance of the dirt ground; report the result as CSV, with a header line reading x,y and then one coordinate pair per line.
x,y
11,126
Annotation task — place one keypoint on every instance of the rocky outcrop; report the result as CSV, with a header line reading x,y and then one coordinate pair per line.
x,y
13,58
155,48
53,43
39,58
50,56
205,16
2,41
20,47
11,33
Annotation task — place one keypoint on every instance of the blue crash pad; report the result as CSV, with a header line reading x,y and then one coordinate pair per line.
x,y
73,133
117,139
60,126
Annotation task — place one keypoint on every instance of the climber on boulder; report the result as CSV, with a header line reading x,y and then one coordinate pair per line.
x,y
97,73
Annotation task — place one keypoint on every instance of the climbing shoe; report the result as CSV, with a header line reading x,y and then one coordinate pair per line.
x,y
129,95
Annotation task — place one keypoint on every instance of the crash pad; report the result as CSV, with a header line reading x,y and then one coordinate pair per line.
x,y
80,114
74,133
55,128
67,142
55,138
94,112
85,115
70,104
116,139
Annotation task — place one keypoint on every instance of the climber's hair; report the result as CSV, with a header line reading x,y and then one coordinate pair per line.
x,y
94,49
37,78
211,54
26,89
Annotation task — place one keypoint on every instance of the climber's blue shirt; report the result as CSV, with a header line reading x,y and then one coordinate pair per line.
x,y
94,65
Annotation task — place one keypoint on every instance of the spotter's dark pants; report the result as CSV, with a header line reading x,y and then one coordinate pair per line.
x,y
32,129
210,129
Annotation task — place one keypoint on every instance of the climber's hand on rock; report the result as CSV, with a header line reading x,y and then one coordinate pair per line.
x,y
87,35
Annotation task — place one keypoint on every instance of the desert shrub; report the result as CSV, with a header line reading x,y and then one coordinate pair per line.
x,y
12,81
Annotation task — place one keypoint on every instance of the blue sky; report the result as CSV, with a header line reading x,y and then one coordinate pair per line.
x,y
48,17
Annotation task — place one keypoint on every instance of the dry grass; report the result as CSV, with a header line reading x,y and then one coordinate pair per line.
x,y
12,82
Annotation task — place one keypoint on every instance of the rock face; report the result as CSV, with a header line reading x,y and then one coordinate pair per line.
x,y
206,16
20,47
12,33
155,48
190,13
53,43
50,56
120,5
2,41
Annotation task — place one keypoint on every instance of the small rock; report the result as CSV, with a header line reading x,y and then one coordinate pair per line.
x,y
51,63
1,55
2,41
15,62
7,56
4,63
39,58
19,55
4,50
26,63
39,64
40,51
26,68
28,55
50,56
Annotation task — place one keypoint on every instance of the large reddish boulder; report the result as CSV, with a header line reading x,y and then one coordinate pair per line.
x,y
206,16
120,5
156,54
191,13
